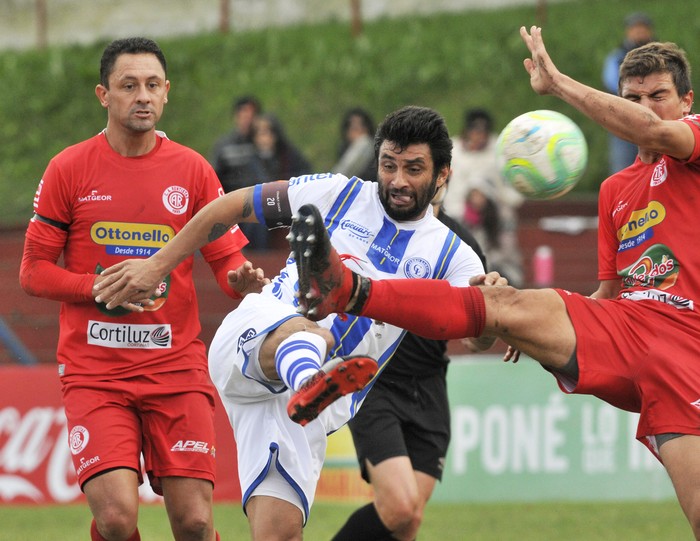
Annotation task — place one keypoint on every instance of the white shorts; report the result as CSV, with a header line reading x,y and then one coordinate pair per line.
x,y
267,440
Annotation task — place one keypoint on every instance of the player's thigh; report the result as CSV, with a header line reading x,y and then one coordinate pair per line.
x,y
426,424
535,321
113,495
104,428
178,426
393,481
272,519
188,499
377,430
681,457
426,485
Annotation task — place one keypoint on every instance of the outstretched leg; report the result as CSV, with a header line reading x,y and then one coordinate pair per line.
x,y
327,286
534,321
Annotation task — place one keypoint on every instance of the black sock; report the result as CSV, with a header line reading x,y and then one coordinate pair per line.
x,y
363,524
360,292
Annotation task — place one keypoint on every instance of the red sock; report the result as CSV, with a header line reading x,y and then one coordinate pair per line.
x,y
95,535
429,308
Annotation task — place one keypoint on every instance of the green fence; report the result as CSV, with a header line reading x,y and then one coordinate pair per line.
x,y
517,437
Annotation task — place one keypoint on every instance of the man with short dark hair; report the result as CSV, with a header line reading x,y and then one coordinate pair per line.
x,y
134,385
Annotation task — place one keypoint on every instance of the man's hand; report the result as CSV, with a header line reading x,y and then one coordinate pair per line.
x,y
543,72
511,354
482,343
128,284
489,279
246,279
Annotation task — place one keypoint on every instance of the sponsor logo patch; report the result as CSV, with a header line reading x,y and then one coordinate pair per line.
x,y
116,335
192,446
131,239
86,463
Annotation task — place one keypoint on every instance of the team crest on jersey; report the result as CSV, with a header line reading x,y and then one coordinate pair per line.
x,y
78,439
660,173
417,267
175,199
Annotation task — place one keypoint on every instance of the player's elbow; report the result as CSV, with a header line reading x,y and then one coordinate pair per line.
x,y
26,282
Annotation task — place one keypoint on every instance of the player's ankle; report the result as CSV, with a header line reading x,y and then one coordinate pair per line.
x,y
360,292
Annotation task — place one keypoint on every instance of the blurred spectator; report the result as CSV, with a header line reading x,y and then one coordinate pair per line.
x,y
274,158
232,152
639,29
356,151
483,219
479,197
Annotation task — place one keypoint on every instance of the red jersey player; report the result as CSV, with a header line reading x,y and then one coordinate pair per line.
x,y
134,384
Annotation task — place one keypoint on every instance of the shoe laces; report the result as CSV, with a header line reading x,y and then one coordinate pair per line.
x,y
354,258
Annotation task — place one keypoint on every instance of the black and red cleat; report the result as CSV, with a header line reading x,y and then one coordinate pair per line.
x,y
336,378
325,283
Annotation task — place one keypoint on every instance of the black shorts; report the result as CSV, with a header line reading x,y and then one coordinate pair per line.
x,y
404,417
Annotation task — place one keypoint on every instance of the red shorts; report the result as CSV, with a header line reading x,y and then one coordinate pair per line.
x,y
168,418
641,356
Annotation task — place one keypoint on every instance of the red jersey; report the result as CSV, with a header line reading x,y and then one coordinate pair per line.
x,y
113,208
647,233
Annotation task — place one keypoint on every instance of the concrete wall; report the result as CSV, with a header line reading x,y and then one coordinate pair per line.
x,y
88,21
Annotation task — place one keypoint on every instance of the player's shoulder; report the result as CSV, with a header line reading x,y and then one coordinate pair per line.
x,y
174,146
77,151
316,178
175,152
78,156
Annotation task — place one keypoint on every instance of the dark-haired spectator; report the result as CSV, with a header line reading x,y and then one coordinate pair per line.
x,y
233,152
356,151
639,29
274,158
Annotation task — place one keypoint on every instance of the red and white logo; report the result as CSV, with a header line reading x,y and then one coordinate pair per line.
x,y
660,173
78,438
176,199
191,446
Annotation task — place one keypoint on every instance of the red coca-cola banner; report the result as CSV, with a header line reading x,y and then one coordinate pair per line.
x,y
35,461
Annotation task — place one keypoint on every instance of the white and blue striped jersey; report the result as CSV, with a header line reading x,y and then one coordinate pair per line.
x,y
380,248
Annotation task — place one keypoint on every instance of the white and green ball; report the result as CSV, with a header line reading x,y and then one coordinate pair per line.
x,y
543,154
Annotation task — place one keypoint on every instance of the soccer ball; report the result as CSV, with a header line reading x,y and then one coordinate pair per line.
x,y
543,154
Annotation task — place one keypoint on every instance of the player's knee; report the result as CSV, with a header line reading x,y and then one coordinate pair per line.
x,y
193,526
401,514
326,335
115,525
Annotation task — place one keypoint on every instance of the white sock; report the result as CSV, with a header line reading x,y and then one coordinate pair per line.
x,y
299,357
